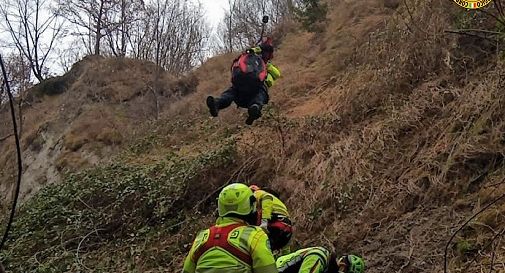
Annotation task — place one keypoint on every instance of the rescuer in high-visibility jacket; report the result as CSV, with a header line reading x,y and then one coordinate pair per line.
x,y
319,260
233,245
273,217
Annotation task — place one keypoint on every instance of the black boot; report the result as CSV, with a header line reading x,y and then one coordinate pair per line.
x,y
254,112
211,103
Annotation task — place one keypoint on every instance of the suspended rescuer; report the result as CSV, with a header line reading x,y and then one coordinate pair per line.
x,y
252,74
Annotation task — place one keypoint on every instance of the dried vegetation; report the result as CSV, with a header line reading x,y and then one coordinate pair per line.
x,y
385,134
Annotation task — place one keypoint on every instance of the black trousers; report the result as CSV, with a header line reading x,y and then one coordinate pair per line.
x,y
243,97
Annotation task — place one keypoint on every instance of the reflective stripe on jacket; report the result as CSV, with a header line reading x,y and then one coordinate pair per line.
x,y
307,260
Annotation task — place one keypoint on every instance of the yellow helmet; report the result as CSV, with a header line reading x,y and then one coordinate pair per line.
x,y
237,199
352,263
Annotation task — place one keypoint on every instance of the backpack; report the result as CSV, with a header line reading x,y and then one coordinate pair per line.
x,y
248,70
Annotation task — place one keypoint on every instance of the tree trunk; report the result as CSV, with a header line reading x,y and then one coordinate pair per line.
x,y
98,33
230,36
37,74
123,28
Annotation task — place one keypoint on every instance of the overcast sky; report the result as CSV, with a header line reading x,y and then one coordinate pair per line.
x,y
214,9
214,13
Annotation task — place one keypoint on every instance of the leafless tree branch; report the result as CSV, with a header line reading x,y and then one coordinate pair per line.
x,y
32,31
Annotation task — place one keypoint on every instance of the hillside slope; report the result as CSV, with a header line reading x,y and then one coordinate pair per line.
x,y
83,118
384,135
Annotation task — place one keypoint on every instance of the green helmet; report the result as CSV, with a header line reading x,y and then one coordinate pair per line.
x,y
355,264
236,198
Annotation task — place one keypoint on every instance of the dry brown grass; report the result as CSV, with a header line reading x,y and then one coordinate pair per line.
x,y
71,161
377,136
392,142
92,127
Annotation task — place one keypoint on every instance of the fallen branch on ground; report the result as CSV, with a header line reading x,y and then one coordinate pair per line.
x,y
464,225
474,30
6,137
473,33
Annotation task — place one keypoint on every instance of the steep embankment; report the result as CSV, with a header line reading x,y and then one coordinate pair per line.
x,y
383,136
83,118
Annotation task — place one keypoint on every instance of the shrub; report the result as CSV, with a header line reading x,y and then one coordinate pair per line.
x,y
51,86
312,14
111,203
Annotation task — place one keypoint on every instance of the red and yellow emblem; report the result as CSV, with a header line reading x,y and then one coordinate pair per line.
x,y
472,4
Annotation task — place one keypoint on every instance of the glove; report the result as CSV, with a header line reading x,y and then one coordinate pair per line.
x,y
269,81
264,225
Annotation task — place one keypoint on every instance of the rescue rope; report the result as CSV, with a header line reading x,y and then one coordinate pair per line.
x,y
264,21
18,149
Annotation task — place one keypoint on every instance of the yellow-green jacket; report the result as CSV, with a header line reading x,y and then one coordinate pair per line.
x,y
269,204
308,260
251,240
273,74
